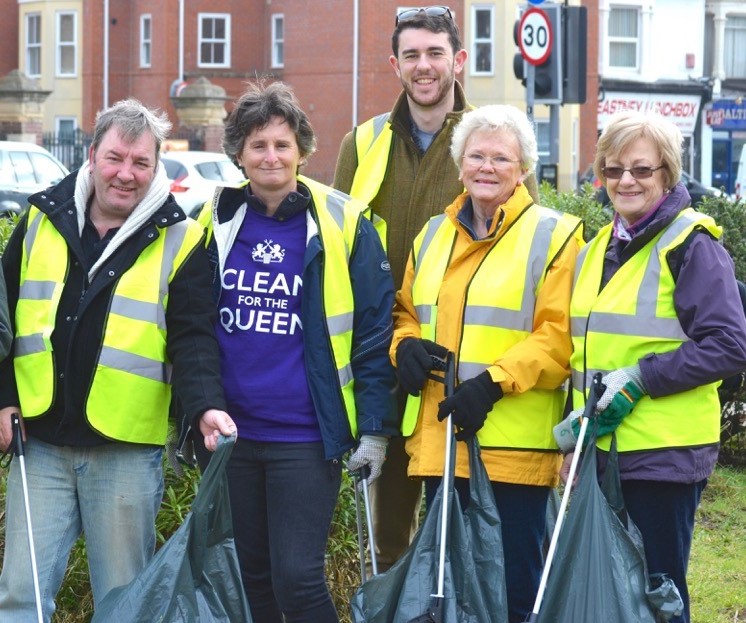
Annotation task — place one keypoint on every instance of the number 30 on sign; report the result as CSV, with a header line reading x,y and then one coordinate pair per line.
x,y
535,36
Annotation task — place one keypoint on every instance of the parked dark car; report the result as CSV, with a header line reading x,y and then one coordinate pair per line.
x,y
25,169
697,190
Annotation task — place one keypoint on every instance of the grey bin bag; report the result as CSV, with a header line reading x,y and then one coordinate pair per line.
x,y
194,577
599,571
474,589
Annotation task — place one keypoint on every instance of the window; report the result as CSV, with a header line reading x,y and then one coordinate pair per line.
x,y
146,39
33,45
214,40
735,47
543,140
278,40
483,40
624,29
66,44
65,125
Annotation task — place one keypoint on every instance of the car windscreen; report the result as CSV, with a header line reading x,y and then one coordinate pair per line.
x,y
219,171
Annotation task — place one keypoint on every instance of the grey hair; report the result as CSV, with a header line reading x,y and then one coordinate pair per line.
x,y
132,119
493,118
255,109
625,127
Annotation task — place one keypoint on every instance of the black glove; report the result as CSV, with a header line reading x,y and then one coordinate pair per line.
x,y
470,404
413,362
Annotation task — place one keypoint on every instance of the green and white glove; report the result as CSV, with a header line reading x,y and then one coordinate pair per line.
x,y
624,389
371,452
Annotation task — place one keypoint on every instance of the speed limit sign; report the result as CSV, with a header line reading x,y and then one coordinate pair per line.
x,y
535,36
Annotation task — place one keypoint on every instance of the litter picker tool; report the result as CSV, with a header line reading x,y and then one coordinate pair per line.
x,y
434,612
596,390
360,477
17,449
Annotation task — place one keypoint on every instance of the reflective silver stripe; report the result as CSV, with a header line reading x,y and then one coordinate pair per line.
x,y
642,324
468,370
345,375
37,290
424,313
519,320
134,364
31,232
427,238
335,206
28,344
581,384
139,310
379,123
577,325
340,324
175,235
579,263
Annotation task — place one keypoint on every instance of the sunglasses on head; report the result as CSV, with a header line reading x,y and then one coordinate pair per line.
x,y
432,11
639,173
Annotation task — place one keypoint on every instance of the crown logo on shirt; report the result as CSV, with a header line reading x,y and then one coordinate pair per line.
x,y
267,252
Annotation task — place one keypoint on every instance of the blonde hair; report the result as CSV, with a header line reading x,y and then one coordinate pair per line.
x,y
624,128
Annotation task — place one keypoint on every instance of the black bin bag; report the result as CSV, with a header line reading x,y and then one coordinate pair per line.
x,y
599,573
194,577
474,586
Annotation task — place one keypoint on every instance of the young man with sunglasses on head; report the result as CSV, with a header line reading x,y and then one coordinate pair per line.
x,y
399,164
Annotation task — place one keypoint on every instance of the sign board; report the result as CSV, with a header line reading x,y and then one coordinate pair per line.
x,y
683,110
535,36
727,114
535,2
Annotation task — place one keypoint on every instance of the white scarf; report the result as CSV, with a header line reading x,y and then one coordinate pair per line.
x,y
153,200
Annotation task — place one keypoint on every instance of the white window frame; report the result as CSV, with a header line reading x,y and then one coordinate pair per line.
x,y
278,41
146,40
734,45
475,40
637,41
33,48
59,44
226,43
58,121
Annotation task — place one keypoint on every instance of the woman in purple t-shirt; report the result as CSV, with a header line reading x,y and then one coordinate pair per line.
x,y
273,242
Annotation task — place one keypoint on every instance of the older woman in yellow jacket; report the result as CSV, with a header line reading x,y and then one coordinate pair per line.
x,y
490,280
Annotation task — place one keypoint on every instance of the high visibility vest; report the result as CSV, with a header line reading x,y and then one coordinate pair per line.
x,y
130,391
633,316
338,217
373,141
498,313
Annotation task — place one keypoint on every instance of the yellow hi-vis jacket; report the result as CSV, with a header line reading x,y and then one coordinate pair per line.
x,y
338,216
373,146
132,372
502,305
633,316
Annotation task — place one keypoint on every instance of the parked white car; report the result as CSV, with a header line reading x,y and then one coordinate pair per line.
x,y
25,169
194,176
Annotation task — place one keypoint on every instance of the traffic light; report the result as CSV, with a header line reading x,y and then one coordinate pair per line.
x,y
548,76
575,47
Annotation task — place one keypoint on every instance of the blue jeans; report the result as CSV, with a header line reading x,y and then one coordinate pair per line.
x,y
523,517
110,493
664,513
282,499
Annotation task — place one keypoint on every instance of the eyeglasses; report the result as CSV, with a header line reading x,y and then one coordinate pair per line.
x,y
477,160
432,11
639,173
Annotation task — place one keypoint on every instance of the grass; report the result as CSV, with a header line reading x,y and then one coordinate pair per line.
x,y
717,568
717,571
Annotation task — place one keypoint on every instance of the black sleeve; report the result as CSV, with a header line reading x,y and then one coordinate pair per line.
x,y
191,344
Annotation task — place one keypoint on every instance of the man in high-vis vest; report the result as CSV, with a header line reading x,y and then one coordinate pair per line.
x,y
399,164
110,295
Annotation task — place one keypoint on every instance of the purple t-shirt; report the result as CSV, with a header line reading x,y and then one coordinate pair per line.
x,y
260,332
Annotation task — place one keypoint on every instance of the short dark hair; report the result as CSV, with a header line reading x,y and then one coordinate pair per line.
x,y
255,108
132,119
433,23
